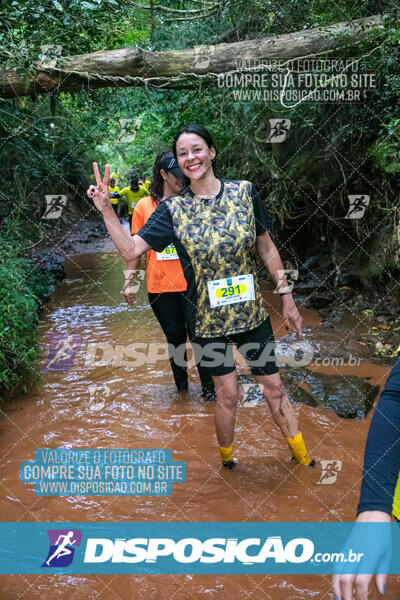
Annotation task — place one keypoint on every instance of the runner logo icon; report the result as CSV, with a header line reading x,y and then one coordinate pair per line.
x,y
63,349
62,542
329,471
202,57
54,206
357,206
286,279
279,129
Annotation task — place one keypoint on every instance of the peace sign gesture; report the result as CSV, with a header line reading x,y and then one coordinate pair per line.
x,y
99,193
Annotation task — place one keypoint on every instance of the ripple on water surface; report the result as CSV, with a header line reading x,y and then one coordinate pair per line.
x,y
143,410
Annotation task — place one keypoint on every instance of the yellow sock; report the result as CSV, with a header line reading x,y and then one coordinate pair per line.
x,y
226,453
298,448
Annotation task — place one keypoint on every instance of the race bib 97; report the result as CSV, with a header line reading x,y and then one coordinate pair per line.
x,y
231,290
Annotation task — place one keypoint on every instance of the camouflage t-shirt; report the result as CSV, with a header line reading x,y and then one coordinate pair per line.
x,y
215,239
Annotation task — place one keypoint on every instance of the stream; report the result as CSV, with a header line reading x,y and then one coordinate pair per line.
x,y
100,401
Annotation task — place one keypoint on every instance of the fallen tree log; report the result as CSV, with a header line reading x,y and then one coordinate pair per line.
x,y
128,67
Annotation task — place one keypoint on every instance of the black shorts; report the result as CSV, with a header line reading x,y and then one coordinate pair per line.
x,y
257,347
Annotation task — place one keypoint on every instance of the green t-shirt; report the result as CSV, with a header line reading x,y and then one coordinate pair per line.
x,y
133,197
111,191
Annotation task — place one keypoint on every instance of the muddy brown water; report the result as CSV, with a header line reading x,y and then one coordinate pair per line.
x,y
143,410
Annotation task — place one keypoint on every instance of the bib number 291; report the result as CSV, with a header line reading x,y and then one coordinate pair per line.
x,y
231,290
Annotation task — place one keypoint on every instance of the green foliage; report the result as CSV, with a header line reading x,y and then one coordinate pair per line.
x,y
386,150
332,150
21,286
77,26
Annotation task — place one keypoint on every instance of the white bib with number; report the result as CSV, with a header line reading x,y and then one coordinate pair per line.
x,y
169,253
231,290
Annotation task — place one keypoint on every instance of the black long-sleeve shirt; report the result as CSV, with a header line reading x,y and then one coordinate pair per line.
x,y
382,451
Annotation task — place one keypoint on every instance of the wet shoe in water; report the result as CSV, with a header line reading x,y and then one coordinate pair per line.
x,y
181,387
228,464
299,451
311,464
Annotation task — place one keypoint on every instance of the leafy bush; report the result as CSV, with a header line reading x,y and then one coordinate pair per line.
x,y
331,151
19,349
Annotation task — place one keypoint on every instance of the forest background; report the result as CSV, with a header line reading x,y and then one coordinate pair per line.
x,y
48,143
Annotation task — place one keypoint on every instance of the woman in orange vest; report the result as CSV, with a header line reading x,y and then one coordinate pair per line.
x,y
166,284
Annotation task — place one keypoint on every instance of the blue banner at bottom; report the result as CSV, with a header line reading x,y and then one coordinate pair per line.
x,y
195,548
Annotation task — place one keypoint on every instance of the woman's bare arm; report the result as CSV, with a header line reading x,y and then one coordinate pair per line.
x,y
130,247
272,260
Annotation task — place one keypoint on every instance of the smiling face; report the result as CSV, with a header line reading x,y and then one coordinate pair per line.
x,y
194,156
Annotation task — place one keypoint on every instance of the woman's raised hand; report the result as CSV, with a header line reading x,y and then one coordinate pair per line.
x,y
99,193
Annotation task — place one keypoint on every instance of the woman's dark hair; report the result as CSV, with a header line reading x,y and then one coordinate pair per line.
x,y
134,183
198,130
156,187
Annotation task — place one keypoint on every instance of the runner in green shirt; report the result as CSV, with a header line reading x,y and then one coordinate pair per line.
x,y
144,182
114,191
115,175
133,193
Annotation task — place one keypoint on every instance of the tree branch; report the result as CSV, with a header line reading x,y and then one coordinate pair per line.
x,y
188,11
127,67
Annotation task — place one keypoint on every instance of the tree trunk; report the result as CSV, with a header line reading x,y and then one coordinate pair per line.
x,y
136,67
